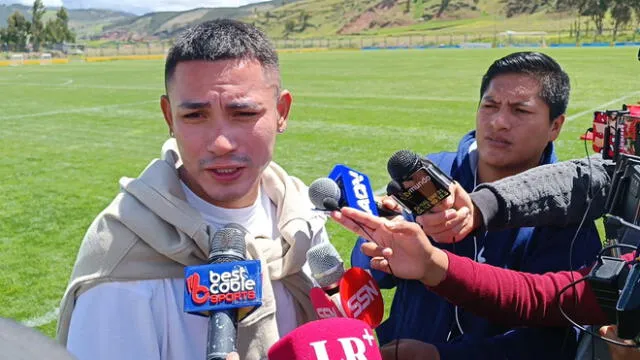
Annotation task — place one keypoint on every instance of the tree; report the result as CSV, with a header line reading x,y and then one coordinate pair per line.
x,y
37,27
635,5
57,31
596,10
443,6
289,27
17,31
304,20
620,15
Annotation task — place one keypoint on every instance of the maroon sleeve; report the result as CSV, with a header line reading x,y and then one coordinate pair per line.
x,y
518,298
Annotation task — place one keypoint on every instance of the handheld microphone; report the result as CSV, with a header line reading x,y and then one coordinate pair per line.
x,y
417,183
327,269
228,282
361,297
335,338
326,195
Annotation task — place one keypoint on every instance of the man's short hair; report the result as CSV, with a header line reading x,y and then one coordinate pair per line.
x,y
554,82
221,39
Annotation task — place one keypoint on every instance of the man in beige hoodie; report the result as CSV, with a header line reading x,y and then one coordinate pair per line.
x,y
224,108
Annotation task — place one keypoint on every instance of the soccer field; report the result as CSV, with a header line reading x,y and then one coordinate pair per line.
x,y
69,132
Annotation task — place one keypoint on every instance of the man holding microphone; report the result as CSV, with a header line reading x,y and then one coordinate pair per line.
x,y
555,195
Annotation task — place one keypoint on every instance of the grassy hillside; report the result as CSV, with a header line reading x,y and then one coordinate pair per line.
x,y
392,17
167,24
82,21
305,19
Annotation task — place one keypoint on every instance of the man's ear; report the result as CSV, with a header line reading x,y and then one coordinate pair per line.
x,y
284,105
556,126
165,105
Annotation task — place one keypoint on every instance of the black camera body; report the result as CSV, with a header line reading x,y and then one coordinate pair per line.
x,y
614,282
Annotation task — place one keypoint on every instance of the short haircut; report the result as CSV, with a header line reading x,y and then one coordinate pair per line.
x,y
554,82
221,39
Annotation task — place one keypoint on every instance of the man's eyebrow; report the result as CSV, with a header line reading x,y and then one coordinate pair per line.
x,y
243,105
194,105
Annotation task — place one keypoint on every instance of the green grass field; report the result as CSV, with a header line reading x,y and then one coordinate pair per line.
x,y
69,132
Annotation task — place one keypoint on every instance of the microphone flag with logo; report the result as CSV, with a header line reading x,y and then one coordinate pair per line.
x,y
328,339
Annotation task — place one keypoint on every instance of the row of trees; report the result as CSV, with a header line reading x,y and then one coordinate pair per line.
x,y
21,34
620,12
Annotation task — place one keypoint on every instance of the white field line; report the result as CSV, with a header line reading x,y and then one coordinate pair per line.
x,y
42,320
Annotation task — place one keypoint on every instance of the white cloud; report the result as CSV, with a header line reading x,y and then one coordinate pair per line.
x,y
52,3
141,6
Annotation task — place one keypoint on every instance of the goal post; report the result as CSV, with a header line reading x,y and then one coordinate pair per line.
x,y
16,60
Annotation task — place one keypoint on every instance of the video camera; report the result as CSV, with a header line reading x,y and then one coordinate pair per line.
x,y
613,281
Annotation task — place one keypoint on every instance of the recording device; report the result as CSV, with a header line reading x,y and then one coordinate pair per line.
x,y
617,132
326,195
417,183
335,338
613,281
354,293
219,289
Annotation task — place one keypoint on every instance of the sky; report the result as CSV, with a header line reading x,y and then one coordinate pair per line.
x,y
137,7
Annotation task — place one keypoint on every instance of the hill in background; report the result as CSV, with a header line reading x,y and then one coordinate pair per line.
x,y
327,18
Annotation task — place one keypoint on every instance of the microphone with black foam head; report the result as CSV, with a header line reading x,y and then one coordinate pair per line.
x,y
417,183
226,284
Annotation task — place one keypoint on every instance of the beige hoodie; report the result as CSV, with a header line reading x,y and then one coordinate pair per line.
x,y
149,231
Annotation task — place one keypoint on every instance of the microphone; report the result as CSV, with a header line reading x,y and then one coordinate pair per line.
x,y
327,269
417,183
227,283
335,338
360,297
326,195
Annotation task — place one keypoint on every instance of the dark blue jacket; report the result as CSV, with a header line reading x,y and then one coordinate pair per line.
x,y
417,313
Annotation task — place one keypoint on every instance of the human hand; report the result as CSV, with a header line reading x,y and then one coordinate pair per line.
x,y
453,218
396,246
409,349
619,352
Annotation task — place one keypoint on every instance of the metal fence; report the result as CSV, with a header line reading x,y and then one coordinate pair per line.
x,y
585,37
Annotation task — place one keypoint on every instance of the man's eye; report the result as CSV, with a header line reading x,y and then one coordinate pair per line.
x,y
523,111
194,115
246,114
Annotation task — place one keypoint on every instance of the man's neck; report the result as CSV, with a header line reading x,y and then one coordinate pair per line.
x,y
487,173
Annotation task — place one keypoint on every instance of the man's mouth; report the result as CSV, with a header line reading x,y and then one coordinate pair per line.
x,y
226,171
498,141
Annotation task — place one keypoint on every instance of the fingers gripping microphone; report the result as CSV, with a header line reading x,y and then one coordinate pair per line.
x,y
416,183
221,288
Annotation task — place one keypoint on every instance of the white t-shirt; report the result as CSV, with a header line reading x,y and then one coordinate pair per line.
x,y
145,319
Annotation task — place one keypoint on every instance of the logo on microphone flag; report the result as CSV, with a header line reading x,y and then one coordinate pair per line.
x,y
222,286
356,188
323,305
360,296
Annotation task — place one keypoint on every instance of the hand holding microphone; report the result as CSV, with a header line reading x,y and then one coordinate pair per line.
x,y
442,207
